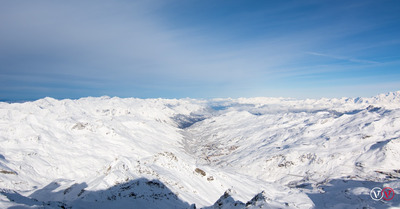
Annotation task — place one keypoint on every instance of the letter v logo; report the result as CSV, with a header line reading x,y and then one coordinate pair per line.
x,y
376,193
388,193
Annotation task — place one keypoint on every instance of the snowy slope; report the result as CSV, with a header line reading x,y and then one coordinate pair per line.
x,y
222,153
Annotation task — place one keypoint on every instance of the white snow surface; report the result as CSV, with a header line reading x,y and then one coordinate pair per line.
x,y
222,153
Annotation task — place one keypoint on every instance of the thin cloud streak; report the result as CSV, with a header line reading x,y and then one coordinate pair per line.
x,y
343,58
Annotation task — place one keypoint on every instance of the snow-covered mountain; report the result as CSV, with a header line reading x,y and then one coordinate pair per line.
x,y
222,153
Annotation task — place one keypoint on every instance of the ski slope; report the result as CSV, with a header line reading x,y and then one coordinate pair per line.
x,y
222,153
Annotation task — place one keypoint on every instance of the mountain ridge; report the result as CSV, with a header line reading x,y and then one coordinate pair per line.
x,y
200,149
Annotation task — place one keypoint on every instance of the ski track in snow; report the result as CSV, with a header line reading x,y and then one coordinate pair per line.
x,y
222,153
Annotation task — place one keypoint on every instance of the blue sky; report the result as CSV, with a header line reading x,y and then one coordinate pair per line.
x,y
198,49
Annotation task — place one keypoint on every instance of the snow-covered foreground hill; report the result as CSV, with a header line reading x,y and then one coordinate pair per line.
x,y
222,153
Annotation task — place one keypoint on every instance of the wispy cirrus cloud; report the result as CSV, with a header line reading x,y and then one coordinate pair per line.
x,y
349,59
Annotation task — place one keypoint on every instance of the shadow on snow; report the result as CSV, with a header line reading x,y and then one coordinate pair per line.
x,y
144,193
138,193
339,193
